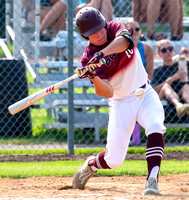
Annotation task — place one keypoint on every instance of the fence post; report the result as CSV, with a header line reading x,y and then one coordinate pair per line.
x,y
17,28
7,18
70,84
37,26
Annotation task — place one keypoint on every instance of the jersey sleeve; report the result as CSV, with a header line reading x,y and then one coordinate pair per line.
x,y
117,28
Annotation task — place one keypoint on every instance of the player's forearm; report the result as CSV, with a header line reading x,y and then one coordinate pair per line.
x,y
118,45
102,87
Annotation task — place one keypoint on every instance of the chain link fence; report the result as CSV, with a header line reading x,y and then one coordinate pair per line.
x,y
73,116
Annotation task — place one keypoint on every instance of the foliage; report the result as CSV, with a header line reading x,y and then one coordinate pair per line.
x,y
186,7
179,134
2,54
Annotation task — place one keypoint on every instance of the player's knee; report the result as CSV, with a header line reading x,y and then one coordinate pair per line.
x,y
114,163
156,127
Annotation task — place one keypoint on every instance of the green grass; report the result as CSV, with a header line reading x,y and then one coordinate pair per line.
x,y
68,168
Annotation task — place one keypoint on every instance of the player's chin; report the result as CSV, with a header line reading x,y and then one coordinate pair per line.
x,y
101,42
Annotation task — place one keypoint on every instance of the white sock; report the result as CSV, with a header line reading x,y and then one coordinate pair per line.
x,y
154,172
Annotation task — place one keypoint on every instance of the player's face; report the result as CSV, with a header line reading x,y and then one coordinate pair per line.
x,y
99,38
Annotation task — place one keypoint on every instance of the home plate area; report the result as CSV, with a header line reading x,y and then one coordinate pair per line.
x,y
98,188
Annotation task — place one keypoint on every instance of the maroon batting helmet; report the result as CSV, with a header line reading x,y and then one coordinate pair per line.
x,y
89,20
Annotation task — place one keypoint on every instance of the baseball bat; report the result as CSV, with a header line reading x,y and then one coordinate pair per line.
x,y
26,102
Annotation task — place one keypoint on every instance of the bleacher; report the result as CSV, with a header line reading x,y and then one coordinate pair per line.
x,y
87,105
83,101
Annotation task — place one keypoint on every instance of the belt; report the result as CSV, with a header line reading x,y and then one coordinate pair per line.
x,y
144,86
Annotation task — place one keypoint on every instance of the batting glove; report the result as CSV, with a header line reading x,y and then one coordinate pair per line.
x,y
96,61
86,72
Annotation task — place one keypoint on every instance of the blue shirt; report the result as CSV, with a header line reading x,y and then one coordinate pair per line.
x,y
141,51
45,3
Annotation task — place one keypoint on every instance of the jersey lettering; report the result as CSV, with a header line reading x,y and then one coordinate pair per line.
x,y
110,58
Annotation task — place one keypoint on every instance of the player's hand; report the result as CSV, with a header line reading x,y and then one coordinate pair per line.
x,y
86,72
96,61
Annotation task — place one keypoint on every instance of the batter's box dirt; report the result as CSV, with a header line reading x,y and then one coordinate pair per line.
x,y
99,188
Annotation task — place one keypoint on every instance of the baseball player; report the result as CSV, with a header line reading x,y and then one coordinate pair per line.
x,y
117,80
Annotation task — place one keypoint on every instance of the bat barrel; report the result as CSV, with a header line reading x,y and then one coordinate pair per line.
x,y
26,102
18,106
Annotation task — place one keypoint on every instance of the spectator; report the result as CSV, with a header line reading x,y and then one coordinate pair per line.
x,y
168,11
145,50
168,79
82,4
52,15
147,55
104,6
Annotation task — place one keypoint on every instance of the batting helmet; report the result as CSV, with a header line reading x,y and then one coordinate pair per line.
x,y
89,20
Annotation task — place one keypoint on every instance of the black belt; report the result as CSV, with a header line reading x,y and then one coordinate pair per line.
x,y
144,86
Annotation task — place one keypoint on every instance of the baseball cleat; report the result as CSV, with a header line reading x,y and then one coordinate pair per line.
x,y
151,187
82,176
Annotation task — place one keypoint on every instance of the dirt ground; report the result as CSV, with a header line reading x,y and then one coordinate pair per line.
x,y
172,187
98,188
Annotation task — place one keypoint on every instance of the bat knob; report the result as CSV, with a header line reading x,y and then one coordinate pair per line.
x,y
103,61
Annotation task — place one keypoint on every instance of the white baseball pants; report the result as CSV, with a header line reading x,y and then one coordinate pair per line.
x,y
123,114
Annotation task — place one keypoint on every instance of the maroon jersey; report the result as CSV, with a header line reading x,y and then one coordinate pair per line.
x,y
125,70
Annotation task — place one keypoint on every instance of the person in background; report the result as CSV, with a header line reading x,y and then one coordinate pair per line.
x,y
104,6
147,56
52,15
168,79
145,50
150,11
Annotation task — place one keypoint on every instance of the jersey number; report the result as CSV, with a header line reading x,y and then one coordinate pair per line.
x,y
129,52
